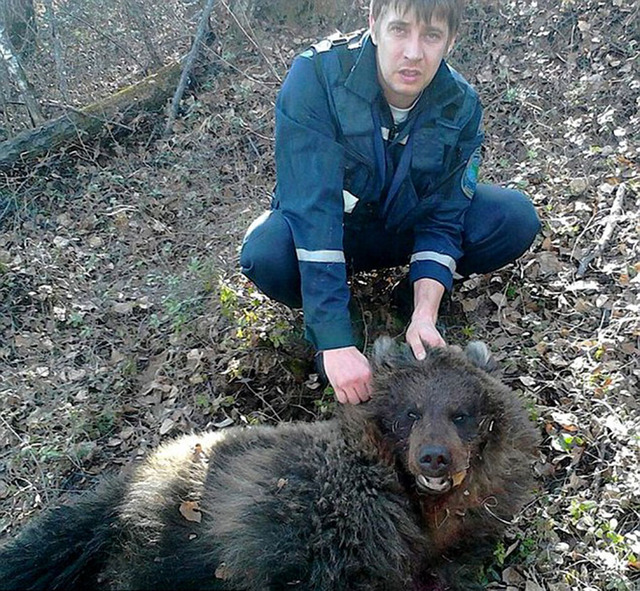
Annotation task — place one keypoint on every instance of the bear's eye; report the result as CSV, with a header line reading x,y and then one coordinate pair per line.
x,y
459,418
413,415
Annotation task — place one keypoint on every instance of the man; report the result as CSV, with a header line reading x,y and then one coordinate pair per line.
x,y
377,151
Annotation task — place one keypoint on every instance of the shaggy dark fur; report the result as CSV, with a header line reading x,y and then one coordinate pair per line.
x,y
390,495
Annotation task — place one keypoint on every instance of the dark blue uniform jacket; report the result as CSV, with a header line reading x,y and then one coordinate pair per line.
x,y
336,146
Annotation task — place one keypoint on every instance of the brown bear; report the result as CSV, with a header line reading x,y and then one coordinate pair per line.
x,y
406,491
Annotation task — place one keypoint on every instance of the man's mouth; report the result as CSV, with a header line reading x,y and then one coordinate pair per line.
x,y
410,75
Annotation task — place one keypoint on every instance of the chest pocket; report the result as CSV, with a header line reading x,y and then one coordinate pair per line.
x,y
433,147
359,178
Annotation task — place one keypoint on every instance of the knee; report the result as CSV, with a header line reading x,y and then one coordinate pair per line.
x,y
500,226
254,255
268,259
502,214
521,218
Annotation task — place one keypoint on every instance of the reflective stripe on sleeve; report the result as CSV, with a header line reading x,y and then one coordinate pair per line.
x,y
320,256
429,255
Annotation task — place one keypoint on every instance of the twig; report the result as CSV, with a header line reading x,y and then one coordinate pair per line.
x,y
109,38
238,70
188,65
612,220
33,457
140,19
252,40
262,399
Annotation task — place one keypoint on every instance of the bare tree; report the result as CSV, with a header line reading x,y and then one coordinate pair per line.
x,y
19,18
19,78
137,14
50,15
188,65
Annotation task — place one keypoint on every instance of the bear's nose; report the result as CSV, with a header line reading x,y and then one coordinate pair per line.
x,y
434,459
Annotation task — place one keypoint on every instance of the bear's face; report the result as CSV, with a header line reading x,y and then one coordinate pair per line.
x,y
434,416
433,419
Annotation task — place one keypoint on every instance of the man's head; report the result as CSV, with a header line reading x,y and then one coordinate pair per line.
x,y
449,11
412,37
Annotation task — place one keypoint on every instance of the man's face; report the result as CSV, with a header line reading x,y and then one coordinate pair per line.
x,y
409,53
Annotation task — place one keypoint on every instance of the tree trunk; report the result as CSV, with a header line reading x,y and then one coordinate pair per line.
x,y
19,18
148,95
17,75
188,65
50,15
137,14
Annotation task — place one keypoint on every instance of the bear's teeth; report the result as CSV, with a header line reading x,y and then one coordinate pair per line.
x,y
435,484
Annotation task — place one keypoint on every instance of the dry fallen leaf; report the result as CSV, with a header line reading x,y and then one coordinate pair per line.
x,y
190,510
566,420
499,299
123,307
458,477
223,572
198,454
166,426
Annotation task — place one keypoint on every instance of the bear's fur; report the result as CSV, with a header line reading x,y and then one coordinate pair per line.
x,y
404,491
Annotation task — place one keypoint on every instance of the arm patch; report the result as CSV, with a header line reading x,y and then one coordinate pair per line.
x,y
470,177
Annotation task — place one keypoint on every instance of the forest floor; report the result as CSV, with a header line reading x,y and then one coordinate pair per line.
x,y
124,320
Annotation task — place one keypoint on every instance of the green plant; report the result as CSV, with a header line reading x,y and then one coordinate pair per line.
x,y
105,422
468,331
500,553
326,404
511,94
255,317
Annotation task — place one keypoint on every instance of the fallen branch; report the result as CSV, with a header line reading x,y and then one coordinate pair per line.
x,y
77,125
612,220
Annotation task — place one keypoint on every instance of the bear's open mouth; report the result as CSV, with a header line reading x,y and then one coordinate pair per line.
x,y
441,484
433,485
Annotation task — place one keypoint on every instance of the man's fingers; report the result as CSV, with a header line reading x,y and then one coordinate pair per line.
x,y
362,393
345,396
349,373
341,395
422,334
353,395
354,398
418,349
365,395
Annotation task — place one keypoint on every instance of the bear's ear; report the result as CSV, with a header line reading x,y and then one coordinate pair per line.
x,y
387,352
478,353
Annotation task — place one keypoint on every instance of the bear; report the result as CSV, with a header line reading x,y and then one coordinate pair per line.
x,y
409,490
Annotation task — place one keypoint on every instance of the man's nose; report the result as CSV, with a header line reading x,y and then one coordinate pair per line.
x,y
413,48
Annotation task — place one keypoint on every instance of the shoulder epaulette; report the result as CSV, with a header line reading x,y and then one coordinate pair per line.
x,y
353,40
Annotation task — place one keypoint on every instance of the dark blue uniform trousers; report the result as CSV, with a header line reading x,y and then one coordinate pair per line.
x,y
499,226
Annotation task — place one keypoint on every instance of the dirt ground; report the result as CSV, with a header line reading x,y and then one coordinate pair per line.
x,y
124,320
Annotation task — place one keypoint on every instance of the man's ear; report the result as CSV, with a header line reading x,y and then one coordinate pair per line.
x,y
372,29
450,45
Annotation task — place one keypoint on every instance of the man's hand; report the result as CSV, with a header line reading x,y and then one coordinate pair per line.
x,y
349,372
421,333
427,294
